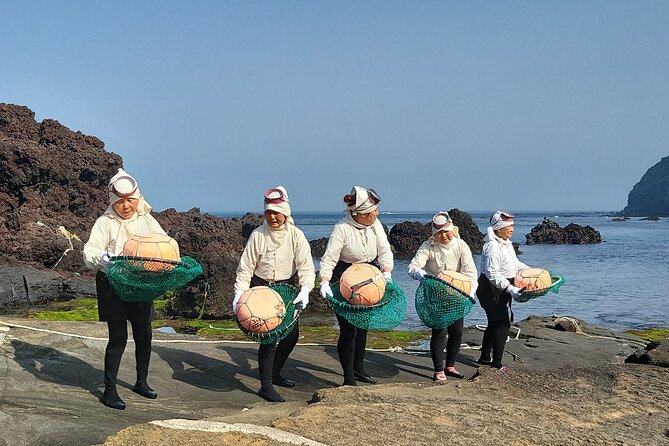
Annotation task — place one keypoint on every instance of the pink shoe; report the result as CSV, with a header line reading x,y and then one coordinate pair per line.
x,y
439,376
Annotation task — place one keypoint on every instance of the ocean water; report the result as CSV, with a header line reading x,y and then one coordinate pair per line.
x,y
617,283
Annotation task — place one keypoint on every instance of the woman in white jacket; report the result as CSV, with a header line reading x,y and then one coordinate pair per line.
x,y
276,252
499,267
358,238
444,251
127,214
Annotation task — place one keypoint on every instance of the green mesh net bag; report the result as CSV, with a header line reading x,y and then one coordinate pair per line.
x,y
387,314
556,282
439,304
288,294
141,279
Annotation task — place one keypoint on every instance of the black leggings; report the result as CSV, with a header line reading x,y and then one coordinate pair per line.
x,y
272,357
452,347
352,340
496,304
118,338
351,349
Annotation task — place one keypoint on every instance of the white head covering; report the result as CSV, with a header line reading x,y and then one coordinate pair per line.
x,y
364,203
442,222
276,199
501,219
123,185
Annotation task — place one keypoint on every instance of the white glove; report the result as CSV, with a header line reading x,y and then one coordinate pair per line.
x,y
514,291
418,274
235,301
105,261
325,289
388,276
302,298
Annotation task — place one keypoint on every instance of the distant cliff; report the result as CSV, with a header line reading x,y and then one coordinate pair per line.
x,y
650,196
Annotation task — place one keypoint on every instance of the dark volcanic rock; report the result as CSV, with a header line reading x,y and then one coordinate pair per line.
x,y
318,247
406,237
52,189
250,222
650,196
655,353
549,232
51,177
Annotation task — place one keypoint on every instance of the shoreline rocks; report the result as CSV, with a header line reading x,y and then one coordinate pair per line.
x,y
549,232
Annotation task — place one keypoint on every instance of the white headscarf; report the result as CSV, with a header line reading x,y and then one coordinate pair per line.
x,y
123,185
363,203
497,222
442,222
276,199
500,220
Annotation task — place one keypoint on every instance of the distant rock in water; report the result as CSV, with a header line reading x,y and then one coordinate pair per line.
x,y
318,247
650,219
549,232
406,237
650,196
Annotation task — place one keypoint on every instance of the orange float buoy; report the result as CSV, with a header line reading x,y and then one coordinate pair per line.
x,y
153,245
533,279
260,309
457,280
362,284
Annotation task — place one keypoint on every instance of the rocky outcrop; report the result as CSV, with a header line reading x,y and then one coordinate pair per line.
x,y
650,196
406,237
51,177
51,191
549,232
53,188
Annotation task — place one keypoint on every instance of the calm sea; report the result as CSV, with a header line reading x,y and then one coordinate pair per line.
x,y
617,283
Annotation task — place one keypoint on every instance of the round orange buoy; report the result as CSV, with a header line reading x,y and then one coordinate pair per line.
x,y
533,279
457,280
153,245
260,309
362,284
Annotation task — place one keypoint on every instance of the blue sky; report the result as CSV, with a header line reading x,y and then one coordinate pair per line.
x,y
476,105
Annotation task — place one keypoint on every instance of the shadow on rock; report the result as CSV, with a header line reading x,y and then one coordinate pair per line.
x,y
55,366
203,371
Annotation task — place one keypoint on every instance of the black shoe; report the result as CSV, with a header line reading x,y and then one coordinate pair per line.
x,y
454,374
270,395
364,377
283,382
484,362
111,399
145,391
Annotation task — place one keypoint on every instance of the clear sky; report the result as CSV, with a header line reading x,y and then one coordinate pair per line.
x,y
529,105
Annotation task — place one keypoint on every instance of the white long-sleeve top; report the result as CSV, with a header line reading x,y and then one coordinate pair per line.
x,y
350,244
434,258
499,260
275,263
110,232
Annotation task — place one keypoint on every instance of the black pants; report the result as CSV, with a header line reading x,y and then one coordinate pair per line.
x,y
352,340
497,304
452,347
117,313
272,357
